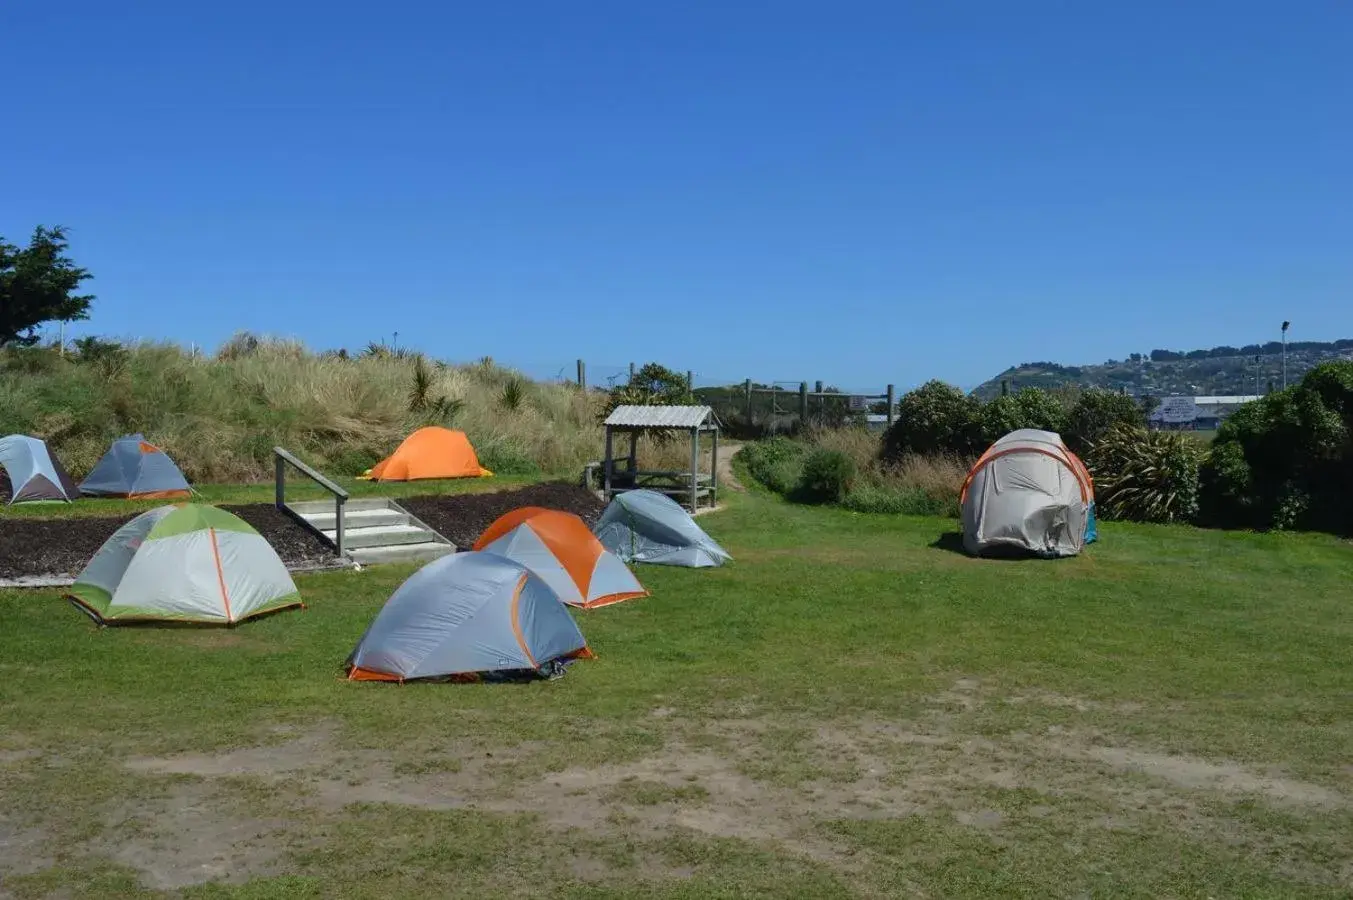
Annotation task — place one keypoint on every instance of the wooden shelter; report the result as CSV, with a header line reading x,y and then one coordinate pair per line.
x,y
693,486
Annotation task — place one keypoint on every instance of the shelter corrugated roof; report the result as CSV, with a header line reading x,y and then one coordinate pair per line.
x,y
661,417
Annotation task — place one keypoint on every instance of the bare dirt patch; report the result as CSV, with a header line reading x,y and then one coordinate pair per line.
x,y
191,836
1191,772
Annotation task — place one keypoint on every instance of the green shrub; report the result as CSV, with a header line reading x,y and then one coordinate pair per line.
x,y
827,477
1146,476
776,463
936,419
1286,460
1095,413
1030,408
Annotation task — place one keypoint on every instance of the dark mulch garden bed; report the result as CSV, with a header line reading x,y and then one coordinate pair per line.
x,y
463,517
62,547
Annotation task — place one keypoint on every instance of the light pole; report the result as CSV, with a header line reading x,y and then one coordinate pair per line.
x,y
1285,327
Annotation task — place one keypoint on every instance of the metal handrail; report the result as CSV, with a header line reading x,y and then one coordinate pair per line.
x,y
282,458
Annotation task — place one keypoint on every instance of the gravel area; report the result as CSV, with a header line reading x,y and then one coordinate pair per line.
x,y
462,518
56,548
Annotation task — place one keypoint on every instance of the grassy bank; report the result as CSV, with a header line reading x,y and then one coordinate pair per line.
x,y
850,709
219,417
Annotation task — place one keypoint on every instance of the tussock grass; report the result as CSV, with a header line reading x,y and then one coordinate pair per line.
x,y
219,417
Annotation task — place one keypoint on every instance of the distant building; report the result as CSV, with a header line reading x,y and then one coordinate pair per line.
x,y
1197,413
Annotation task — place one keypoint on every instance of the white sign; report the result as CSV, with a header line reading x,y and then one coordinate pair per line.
x,y
1177,410
858,403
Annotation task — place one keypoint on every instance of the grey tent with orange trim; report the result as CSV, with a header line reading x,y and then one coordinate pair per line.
x,y
1027,494
468,615
133,467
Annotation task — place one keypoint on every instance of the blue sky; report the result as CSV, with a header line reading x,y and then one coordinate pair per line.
x,y
858,192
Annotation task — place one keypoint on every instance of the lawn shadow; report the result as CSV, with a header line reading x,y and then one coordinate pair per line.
x,y
951,541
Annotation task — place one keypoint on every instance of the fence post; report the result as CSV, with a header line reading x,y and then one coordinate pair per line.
x,y
821,400
892,399
748,387
582,375
803,404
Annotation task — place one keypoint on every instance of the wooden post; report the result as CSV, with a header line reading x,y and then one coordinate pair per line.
x,y
606,478
803,404
695,469
582,375
892,397
1005,388
338,525
821,400
631,381
280,473
748,387
634,455
714,468
690,380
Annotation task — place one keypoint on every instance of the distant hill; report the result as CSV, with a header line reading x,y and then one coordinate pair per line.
x,y
1163,373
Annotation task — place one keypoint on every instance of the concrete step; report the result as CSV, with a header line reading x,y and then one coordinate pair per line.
x,y
381,536
357,518
428,550
354,504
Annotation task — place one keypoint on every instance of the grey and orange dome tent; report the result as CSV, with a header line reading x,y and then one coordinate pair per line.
x,y
137,469
1028,494
432,452
469,617
559,548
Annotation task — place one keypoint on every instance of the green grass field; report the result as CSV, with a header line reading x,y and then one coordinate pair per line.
x,y
851,709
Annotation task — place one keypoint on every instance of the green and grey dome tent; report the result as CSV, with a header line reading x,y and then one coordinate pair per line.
x,y
186,563
649,527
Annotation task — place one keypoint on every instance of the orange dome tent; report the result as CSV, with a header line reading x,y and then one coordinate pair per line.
x,y
431,452
560,549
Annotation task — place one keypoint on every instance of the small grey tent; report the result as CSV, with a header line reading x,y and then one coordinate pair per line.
x,y
468,616
34,473
137,469
1027,494
649,527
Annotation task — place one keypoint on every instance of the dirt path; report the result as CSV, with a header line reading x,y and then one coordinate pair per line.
x,y
726,477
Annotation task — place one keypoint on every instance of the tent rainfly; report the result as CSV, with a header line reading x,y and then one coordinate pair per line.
x,y
1028,494
692,486
558,548
186,563
34,472
135,468
648,527
469,617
